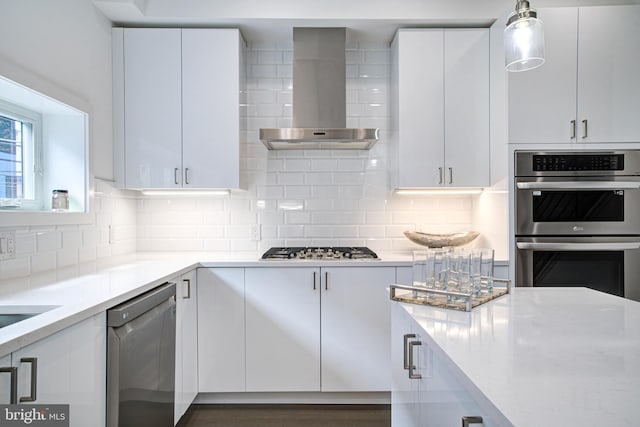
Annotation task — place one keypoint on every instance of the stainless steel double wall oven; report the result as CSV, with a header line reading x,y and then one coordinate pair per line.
x,y
577,220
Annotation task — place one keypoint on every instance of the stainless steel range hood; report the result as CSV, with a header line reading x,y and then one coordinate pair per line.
x,y
319,97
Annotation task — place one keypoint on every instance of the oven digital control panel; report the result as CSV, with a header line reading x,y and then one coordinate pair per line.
x,y
577,162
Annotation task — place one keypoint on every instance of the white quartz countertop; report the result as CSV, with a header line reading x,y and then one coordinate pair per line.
x,y
87,289
545,356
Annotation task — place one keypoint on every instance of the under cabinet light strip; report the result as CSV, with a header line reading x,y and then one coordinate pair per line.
x,y
437,191
186,193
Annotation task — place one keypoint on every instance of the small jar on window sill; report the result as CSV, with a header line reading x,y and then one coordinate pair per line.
x,y
60,200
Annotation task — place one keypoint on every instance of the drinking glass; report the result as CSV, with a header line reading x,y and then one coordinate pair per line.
x,y
475,270
461,270
440,268
419,270
486,267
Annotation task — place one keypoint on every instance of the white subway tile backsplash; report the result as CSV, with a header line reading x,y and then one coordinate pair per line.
x,y
372,231
290,178
268,57
318,204
43,261
66,257
270,192
324,165
290,231
17,267
216,245
25,242
87,254
263,71
284,71
237,245
302,165
48,241
377,57
297,192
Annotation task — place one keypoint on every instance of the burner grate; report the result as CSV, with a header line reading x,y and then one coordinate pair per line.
x,y
314,252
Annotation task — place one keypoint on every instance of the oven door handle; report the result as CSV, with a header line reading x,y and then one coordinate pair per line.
x,y
578,185
564,246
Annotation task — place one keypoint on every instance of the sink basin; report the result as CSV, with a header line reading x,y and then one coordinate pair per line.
x,y
10,314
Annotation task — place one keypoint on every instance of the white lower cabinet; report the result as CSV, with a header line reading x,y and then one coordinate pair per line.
x,y
288,329
426,390
355,314
186,385
221,330
283,329
68,367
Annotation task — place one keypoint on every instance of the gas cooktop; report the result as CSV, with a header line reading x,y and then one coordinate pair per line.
x,y
320,253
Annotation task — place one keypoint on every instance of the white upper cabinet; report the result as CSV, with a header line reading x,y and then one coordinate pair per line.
x,y
466,107
152,100
177,97
542,101
608,64
586,91
440,108
212,72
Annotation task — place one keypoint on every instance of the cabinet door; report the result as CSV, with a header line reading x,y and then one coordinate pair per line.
x,y
153,113
420,100
405,408
444,400
608,64
186,384
283,329
221,330
466,107
71,369
355,321
542,102
211,69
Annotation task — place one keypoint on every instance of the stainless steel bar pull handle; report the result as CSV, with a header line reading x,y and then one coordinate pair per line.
x,y
450,175
326,280
466,421
584,129
13,386
175,176
186,175
573,129
34,379
405,351
188,294
441,177
314,280
412,374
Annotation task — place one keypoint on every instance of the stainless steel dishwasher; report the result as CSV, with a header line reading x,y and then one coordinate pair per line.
x,y
141,341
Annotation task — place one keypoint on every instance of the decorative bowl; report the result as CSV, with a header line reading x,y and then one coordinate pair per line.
x,y
441,240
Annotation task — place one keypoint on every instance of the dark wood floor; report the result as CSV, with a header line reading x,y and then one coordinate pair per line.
x,y
287,416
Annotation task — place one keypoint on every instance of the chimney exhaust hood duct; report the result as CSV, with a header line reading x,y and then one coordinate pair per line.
x,y
319,97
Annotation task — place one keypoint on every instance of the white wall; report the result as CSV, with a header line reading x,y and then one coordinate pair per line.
x,y
67,43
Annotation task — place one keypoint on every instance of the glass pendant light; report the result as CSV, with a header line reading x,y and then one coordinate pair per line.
x,y
523,39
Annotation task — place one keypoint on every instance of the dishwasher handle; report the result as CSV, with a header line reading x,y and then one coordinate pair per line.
x,y
127,311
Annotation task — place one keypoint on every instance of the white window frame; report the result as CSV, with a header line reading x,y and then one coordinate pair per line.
x,y
22,114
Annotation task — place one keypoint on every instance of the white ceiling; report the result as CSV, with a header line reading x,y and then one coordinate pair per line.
x,y
366,20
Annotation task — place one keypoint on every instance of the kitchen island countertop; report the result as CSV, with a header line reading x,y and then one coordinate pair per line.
x,y
544,356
